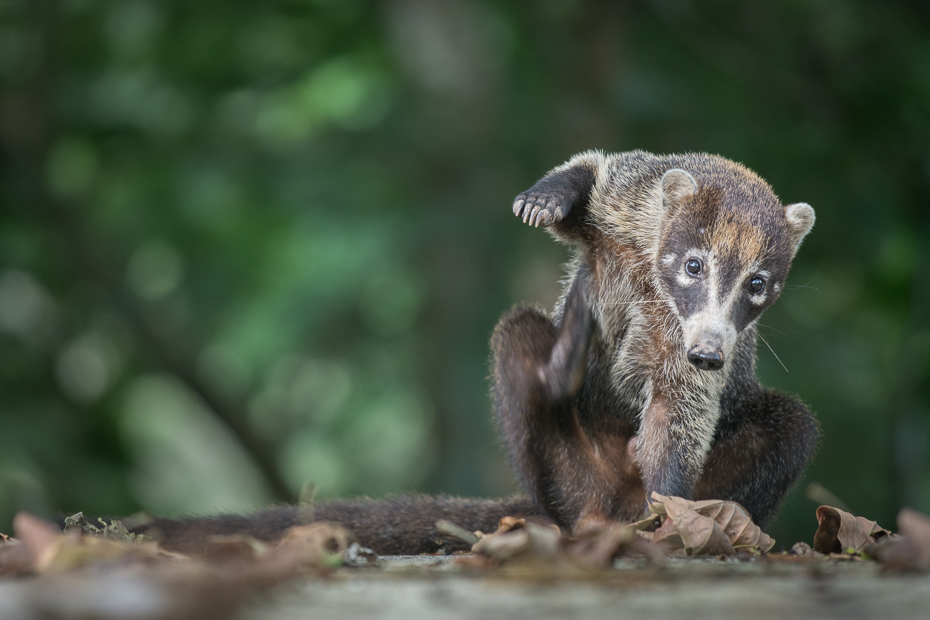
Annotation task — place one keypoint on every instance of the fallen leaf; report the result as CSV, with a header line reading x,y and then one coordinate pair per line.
x,y
228,549
40,538
318,545
598,547
839,531
707,527
911,549
519,537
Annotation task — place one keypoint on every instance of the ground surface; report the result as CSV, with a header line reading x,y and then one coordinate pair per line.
x,y
423,587
413,588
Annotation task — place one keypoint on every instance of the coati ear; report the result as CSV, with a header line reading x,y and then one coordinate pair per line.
x,y
800,220
677,185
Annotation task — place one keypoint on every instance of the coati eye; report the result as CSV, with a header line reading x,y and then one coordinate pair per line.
x,y
756,285
694,267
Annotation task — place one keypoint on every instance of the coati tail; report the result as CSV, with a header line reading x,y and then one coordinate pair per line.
x,y
402,525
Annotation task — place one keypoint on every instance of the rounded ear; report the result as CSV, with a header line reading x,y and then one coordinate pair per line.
x,y
801,218
678,184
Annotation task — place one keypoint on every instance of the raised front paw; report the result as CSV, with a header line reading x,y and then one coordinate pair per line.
x,y
543,208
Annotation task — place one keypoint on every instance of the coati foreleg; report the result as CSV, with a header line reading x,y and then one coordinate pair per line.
x,y
762,444
538,368
678,425
559,198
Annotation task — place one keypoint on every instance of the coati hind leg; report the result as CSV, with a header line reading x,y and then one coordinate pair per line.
x,y
538,368
762,444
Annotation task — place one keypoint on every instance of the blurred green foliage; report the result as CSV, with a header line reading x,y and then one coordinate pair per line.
x,y
249,246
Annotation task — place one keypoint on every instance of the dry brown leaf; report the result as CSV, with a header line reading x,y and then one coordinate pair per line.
x,y
228,549
701,535
839,531
318,545
707,527
519,538
599,546
910,550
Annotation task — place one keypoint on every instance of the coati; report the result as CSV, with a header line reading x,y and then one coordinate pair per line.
x,y
643,377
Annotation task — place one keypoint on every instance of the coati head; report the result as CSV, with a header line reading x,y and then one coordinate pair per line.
x,y
725,247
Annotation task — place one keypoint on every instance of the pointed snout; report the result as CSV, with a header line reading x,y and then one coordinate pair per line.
x,y
706,355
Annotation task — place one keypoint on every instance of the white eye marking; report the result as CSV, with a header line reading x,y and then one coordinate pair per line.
x,y
668,259
683,277
777,287
757,299
694,267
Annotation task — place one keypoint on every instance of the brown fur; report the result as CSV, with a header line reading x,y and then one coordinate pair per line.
x,y
633,220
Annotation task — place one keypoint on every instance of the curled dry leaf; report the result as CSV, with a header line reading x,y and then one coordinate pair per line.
x,y
318,545
598,547
519,538
839,531
709,527
910,550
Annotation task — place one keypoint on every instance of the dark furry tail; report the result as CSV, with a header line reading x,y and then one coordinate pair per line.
x,y
395,526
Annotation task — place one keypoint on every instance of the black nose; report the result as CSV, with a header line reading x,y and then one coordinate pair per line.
x,y
705,358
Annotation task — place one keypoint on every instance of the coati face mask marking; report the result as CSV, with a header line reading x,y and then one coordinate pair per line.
x,y
722,265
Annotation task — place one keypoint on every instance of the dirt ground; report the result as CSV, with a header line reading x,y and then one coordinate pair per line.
x,y
437,588
415,588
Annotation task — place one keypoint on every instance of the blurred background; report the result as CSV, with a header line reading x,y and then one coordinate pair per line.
x,y
254,251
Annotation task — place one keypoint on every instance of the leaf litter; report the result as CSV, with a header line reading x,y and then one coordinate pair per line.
x,y
89,571
77,573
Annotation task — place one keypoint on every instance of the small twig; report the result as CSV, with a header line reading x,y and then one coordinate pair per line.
x,y
820,494
450,528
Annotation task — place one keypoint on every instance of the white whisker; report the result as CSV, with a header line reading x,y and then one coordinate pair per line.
x,y
629,303
813,288
773,351
773,328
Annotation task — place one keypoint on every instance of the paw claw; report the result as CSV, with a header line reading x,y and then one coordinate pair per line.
x,y
536,211
534,214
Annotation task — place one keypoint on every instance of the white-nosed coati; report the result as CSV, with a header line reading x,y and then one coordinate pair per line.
x,y
643,377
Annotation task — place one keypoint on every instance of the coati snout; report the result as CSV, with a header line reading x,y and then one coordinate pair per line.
x,y
706,355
